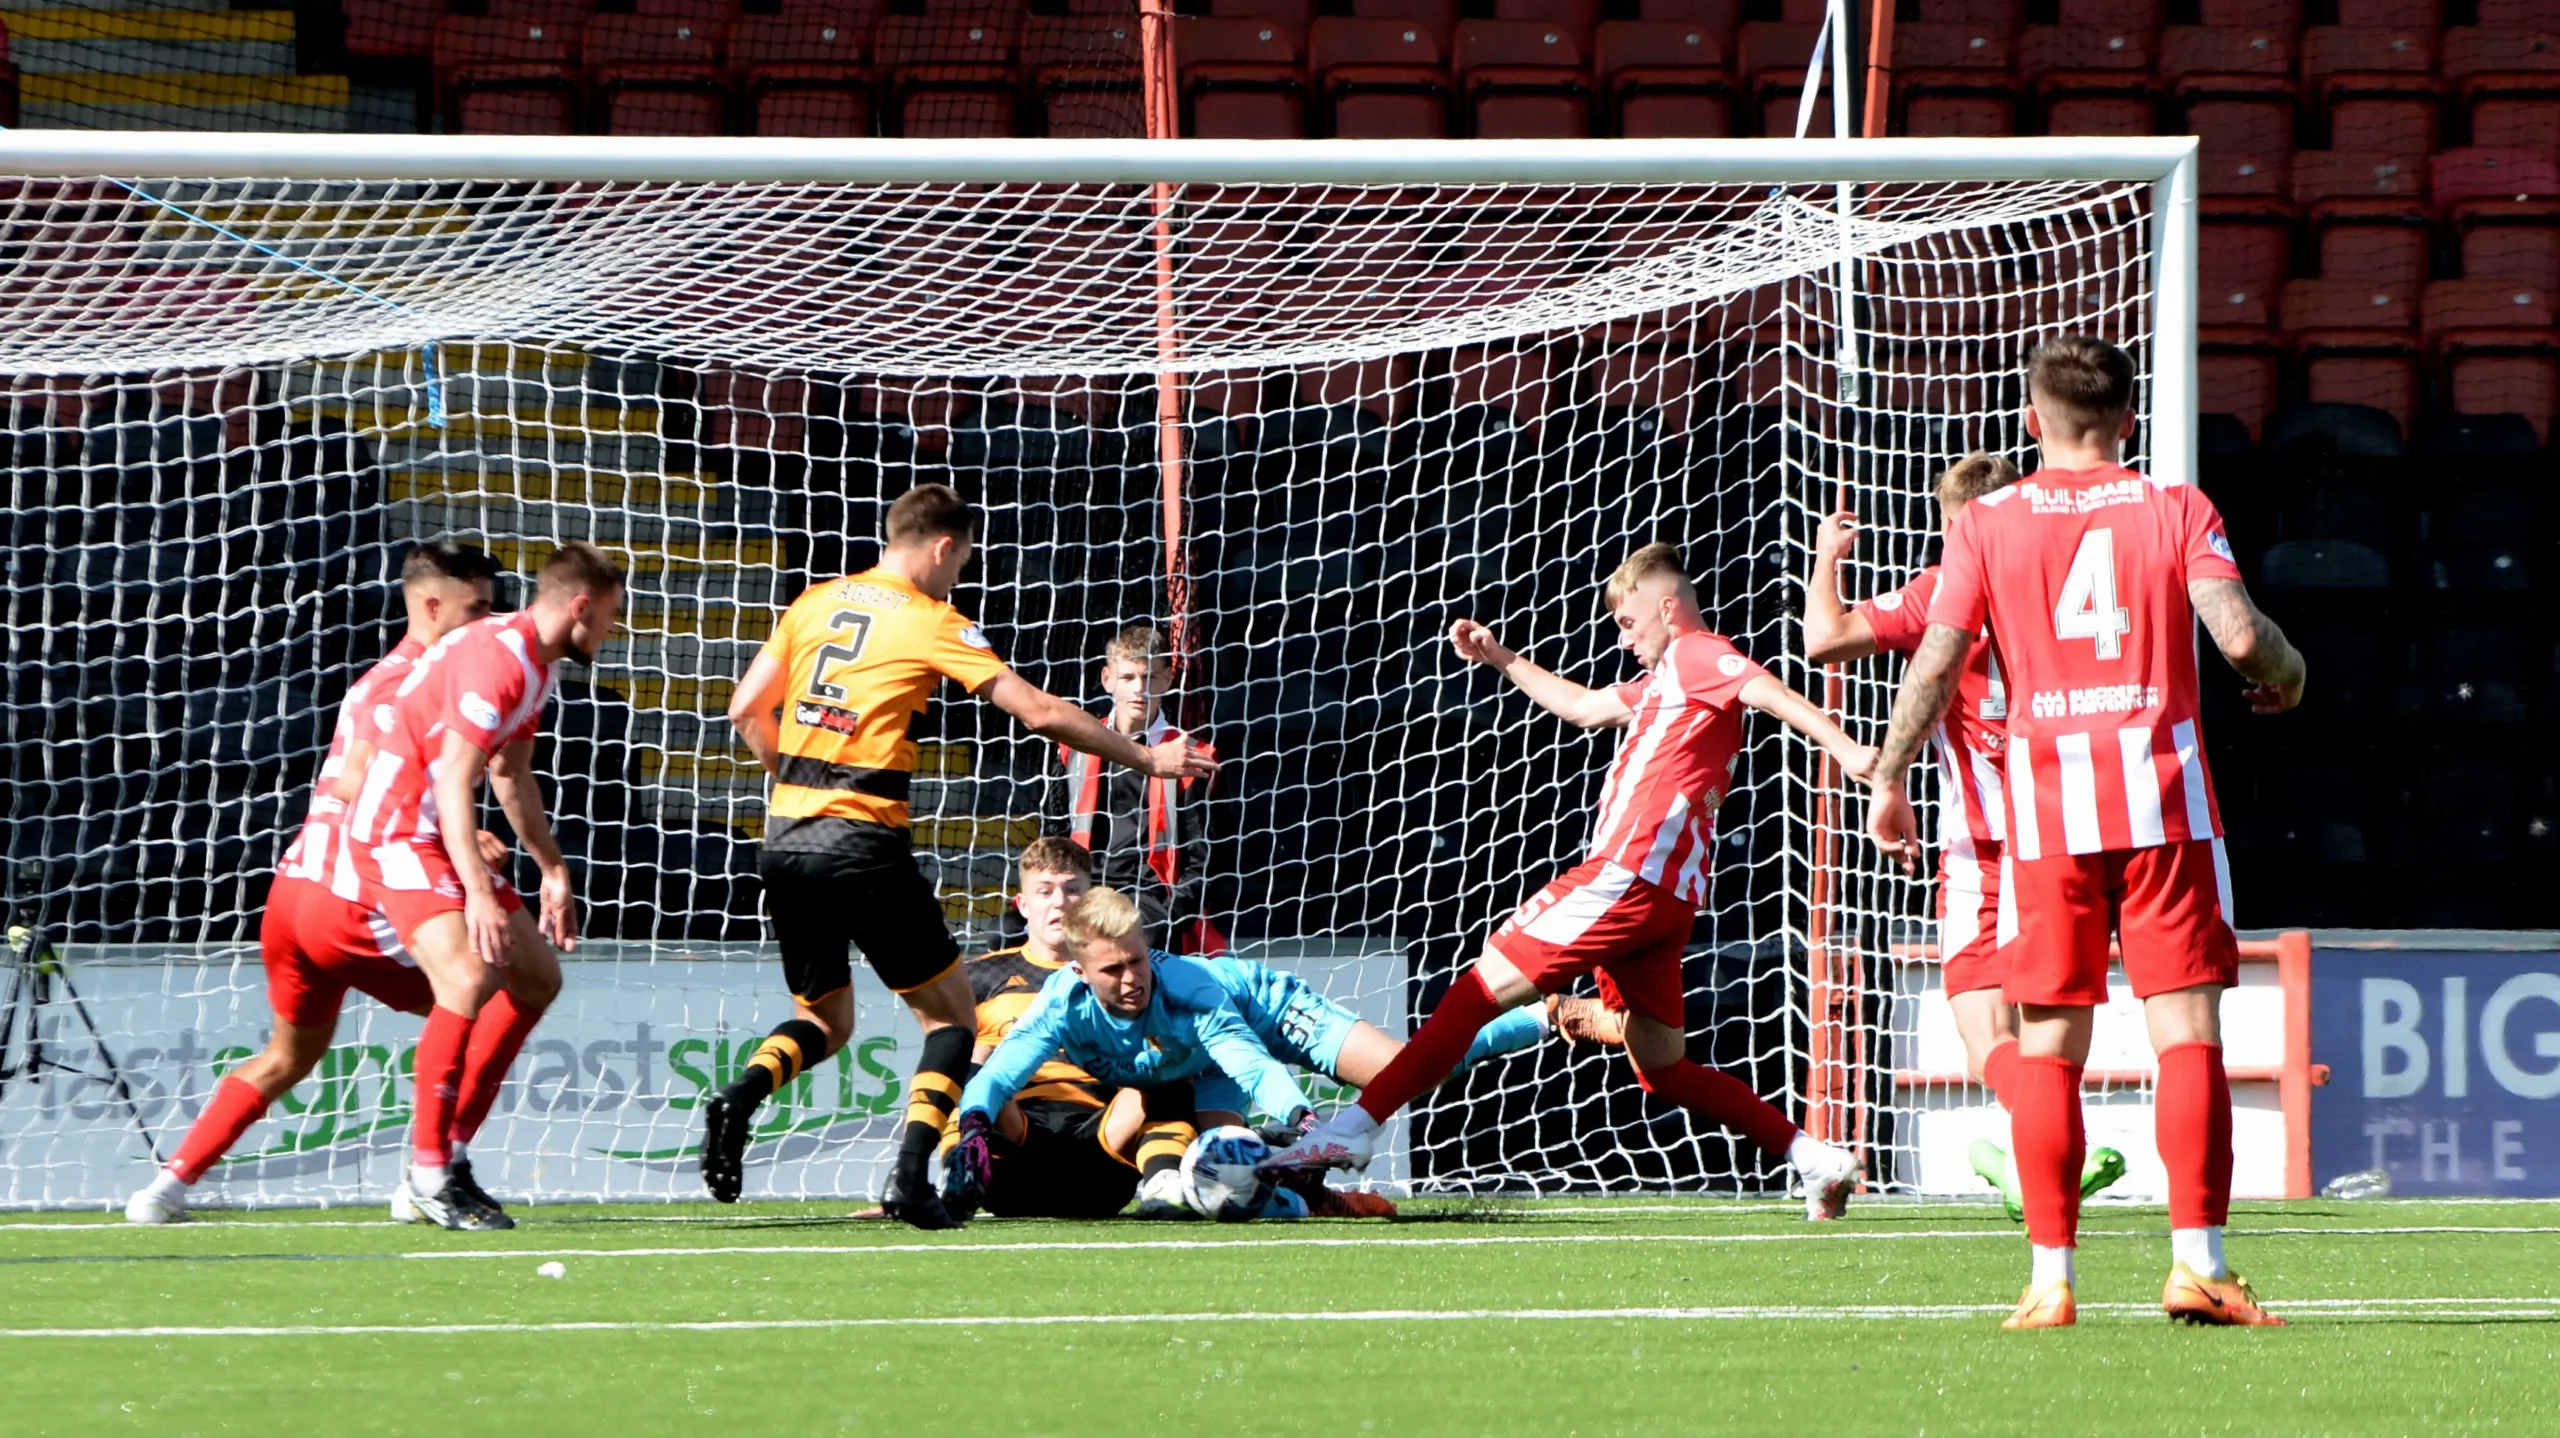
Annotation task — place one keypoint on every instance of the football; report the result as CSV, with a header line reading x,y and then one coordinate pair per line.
x,y
1218,1179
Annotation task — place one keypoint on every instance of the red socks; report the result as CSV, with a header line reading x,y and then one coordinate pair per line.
x,y
2048,1143
1433,1052
2192,1116
227,1115
497,1036
2000,1071
438,1079
1725,1099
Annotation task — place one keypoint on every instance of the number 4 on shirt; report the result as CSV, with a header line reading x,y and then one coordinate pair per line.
x,y
2088,608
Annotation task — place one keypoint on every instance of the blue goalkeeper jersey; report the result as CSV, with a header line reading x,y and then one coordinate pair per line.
x,y
1191,1028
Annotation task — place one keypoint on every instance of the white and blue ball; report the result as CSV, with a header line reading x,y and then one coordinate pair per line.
x,y
1218,1177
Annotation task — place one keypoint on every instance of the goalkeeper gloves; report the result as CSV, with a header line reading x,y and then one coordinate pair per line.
x,y
969,1167
1289,1130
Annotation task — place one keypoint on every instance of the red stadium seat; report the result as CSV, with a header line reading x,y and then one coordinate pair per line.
x,y
2232,86
1380,79
388,29
1577,16
2240,372
1438,17
1771,57
2539,14
1292,14
657,75
569,12
1664,78
2090,79
804,73
2489,174
507,77
1240,79
2285,15
2386,243
2511,241
949,75
2001,16
1722,16
2138,15
2507,79
1953,79
2355,344
2244,256
2358,174
2390,14
1523,79
2374,89
2495,349
1087,72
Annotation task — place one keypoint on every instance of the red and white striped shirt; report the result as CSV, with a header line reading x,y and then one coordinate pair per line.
x,y
1658,811
315,853
1970,740
2082,576
481,681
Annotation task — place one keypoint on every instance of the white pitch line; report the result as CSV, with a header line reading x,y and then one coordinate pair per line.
x,y
2401,1308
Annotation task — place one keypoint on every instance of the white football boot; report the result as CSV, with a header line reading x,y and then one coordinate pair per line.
x,y
1348,1140
404,1209
1830,1175
1160,1196
163,1200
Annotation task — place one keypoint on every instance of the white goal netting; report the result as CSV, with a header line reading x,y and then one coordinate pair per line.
x,y
231,404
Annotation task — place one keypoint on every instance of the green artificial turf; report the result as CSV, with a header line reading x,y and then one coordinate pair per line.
x,y
2409,1318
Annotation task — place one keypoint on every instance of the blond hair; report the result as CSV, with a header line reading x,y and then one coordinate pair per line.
x,y
1972,477
1052,854
1654,561
1103,913
1138,642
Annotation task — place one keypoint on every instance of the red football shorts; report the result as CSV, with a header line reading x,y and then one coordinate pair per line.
x,y
1969,919
2167,905
317,946
413,881
1604,920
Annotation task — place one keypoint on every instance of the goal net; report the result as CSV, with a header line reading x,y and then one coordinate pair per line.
x,y
1299,406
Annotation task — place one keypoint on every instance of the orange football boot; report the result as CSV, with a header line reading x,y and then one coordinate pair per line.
x,y
2048,1307
2226,1302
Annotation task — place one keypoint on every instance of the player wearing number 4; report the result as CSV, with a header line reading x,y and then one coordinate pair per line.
x,y
1973,922
1625,912
825,710
2091,578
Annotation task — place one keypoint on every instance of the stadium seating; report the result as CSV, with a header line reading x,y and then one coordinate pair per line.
x,y
1664,78
1954,79
1523,79
1240,79
657,75
2514,241
948,75
2496,348
2355,344
1380,79
390,29
2233,87
2374,89
1771,57
1085,73
2091,79
803,74
504,76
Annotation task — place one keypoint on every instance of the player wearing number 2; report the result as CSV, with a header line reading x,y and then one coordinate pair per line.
x,y
2091,578
825,709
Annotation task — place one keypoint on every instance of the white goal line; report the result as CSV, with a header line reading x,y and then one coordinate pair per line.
x,y
2403,1309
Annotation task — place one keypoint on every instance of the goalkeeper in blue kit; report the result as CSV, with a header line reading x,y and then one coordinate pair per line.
x,y
1103,1015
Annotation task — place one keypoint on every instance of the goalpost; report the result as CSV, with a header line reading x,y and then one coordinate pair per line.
x,y
1301,404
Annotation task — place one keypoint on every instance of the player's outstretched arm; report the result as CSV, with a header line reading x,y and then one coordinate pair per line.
x,y
457,773
520,798
1051,717
1833,634
1928,687
2251,642
1240,1055
752,707
1785,705
1574,704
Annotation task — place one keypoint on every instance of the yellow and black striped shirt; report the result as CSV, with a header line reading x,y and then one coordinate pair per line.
x,y
1004,983
864,653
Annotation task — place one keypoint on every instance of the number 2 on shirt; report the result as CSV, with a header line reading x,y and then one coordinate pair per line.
x,y
833,654
2088,608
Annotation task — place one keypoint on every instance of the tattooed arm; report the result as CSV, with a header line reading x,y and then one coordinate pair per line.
x,y
1928,686
2251,641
